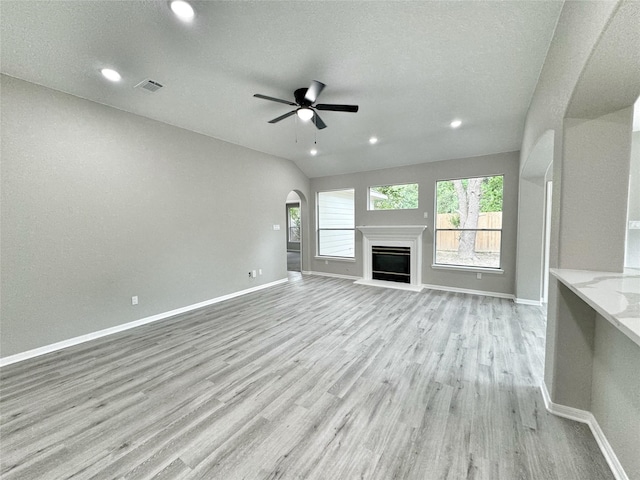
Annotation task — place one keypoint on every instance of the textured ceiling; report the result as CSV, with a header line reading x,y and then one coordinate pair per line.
x,y
412,67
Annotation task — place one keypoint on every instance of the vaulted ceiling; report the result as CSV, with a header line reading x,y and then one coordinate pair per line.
x,y
412,67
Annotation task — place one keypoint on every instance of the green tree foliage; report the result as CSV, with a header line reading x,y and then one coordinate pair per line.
x,y
490,200
447,197
294,224
397,197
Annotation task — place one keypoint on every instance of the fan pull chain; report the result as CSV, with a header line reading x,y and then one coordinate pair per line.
x,y
296,127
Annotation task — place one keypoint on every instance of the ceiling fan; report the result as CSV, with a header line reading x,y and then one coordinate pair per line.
x,y
305,99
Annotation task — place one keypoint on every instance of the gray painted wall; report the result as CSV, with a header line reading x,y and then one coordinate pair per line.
x,y
615,397
426,175
577,32
632,251
575,336
530,239
534,173
578,349
99,205
594,192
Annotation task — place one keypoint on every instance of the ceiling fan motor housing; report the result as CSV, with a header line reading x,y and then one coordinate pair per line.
x,y
299,95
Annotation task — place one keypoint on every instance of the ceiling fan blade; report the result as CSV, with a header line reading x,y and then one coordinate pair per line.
x,y
318,121
337,108
313,91
282,117
264,97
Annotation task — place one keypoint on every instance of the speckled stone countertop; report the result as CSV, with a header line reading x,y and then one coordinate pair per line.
x,y
615,296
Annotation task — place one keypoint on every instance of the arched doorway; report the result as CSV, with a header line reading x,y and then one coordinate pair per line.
x,y
294,232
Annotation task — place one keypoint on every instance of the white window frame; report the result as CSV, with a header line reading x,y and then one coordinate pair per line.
x,y
468,268
370,202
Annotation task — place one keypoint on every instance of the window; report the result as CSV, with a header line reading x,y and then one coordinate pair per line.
x,y
293,223
393,197
469,222
336,223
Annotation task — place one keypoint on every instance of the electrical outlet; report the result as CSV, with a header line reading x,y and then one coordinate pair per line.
x,y
478,275
254,274
276,227
134,300
260,271
426,214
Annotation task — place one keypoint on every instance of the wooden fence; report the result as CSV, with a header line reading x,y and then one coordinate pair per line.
x,y
485,241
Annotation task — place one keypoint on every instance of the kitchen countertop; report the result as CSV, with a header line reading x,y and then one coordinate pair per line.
x,y
615,296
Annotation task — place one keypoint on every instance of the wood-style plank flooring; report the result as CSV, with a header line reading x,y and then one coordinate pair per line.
x,y
314,379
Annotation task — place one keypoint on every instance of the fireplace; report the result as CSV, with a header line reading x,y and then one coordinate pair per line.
x,y
391,263
397,262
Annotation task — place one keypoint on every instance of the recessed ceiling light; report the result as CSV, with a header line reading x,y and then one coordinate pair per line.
x,y
110,74
373,140
183,10
313,152
305,114
456,123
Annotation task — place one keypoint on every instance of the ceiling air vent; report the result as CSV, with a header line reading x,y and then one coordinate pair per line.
x,y
149,85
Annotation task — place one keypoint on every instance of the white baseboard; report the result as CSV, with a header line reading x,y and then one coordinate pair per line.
x,y
36,352
335,275
526,301
583,416
469,291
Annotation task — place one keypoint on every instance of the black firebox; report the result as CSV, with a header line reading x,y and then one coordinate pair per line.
x,y
391,264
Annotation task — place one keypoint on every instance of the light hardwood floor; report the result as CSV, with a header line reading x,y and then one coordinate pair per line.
x,y
314,379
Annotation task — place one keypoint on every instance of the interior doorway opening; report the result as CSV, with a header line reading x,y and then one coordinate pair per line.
x,y
294,232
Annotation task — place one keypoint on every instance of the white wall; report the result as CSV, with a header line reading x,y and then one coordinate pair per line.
x,y
99,205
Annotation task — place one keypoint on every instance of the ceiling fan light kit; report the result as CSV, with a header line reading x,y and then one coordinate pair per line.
x,y
305,114
305,98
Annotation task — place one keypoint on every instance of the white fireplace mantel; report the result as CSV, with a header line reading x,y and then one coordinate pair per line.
x,y
408,231
393,236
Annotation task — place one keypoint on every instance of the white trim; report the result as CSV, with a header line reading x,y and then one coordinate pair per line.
x,y
584,416
18,357
444,288
335,259
467,268
526,301
383,284
336,275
